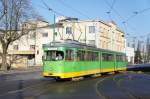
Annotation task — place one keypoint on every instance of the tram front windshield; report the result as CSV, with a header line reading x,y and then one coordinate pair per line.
x,y
53,55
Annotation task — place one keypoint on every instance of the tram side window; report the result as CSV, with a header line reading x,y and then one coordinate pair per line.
x,y
69,55
81,55
118,58
96,57
107,57
121,58
50,55
124,58
53,55
87,56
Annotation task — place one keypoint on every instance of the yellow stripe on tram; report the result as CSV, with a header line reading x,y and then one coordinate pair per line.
x,y
76,74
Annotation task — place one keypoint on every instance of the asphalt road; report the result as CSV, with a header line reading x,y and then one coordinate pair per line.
x,y
126,85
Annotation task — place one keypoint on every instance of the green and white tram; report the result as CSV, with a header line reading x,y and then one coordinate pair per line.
x,y
74,59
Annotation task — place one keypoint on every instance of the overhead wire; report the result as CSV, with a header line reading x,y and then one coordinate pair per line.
x,y
134,15
113,3
52,10
137,13
115,11
77,11
125,24
55,12
111,7
66,5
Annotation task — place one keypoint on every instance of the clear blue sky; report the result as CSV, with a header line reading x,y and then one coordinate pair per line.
x,y
138,25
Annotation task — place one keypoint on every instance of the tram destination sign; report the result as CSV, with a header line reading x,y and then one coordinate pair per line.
x,y
52,48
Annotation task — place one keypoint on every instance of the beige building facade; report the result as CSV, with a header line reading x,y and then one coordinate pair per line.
x,y
96,32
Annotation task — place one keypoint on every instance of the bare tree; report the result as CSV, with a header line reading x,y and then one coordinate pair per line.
x,y
138,57
148,49
13,15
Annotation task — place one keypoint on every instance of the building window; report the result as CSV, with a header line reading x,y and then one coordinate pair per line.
x,y
45,34
68,30
92,29
32,35
32,47
55,33
15,47
92,42
37,52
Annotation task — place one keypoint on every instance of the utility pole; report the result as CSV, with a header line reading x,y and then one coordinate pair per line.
x,y
85,34
54,25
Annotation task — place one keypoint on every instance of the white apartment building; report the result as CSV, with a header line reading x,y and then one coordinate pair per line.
x,y
130,55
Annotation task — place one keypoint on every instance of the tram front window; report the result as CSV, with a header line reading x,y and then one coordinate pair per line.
x,y
54,55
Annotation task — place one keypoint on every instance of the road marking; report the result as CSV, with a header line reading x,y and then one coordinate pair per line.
x,y
118,82
96,88
127,91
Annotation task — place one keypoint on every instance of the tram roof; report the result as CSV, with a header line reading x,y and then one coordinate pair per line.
x,y
76,44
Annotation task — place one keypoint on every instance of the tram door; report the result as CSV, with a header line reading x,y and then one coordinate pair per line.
x,y
115,62
100,61
70,60
119,62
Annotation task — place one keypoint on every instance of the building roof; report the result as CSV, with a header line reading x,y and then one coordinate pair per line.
x,y
76,20
56,25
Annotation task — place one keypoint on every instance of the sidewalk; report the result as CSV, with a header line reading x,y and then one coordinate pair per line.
x,y
19,71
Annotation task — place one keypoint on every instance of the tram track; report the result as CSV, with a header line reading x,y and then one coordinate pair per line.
x,y
40,88
131,77
127,91
101,93
105,87
117,81
97,84
139,78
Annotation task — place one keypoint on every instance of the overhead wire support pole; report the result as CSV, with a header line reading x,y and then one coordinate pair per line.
x,y
54,19
85,34
54,26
